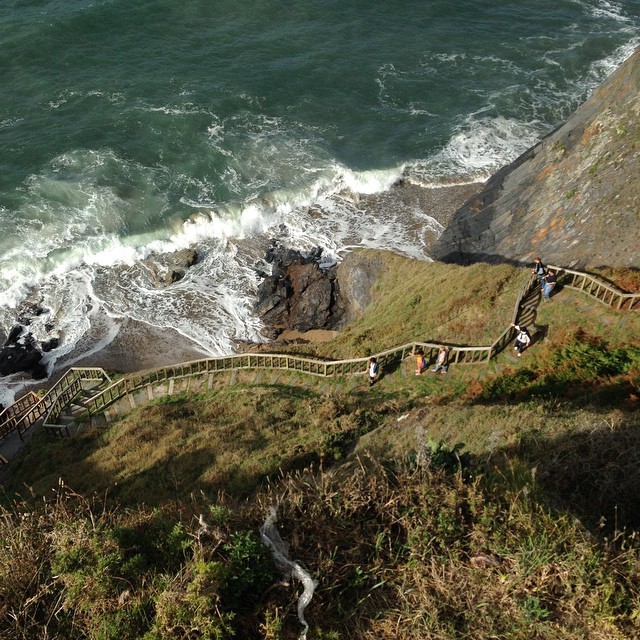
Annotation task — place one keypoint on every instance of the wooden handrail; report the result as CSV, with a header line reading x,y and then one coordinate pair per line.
x,y
311,366
21,423
15,410
605,293
70,384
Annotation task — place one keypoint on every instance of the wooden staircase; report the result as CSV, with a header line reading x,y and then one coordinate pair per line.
x,y
88,396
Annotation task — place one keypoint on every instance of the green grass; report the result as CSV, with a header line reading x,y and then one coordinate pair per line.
x,y
228,440
536,536
430,302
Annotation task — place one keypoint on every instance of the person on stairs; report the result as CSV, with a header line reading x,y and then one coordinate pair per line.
x,y
549,283
374,370
441,360
540,270
523,339
421,363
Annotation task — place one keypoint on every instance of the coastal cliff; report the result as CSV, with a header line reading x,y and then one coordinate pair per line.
x,y
574,198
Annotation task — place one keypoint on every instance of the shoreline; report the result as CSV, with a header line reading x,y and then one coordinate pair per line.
x,y
130,345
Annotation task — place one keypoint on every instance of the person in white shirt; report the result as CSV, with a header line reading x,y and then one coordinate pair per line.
x,y
523,339
374,368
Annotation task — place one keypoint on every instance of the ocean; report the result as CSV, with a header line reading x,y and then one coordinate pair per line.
x,y
133,129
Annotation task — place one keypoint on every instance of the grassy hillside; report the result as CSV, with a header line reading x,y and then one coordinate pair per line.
x,y
429,301
529,530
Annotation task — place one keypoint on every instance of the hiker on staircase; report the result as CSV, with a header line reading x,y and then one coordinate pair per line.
x,y
421,363
550,281
441,360
523,339
540,270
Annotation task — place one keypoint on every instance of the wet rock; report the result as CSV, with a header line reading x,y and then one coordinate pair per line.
x,y
28,312
21,353
50,344
298,294
166,269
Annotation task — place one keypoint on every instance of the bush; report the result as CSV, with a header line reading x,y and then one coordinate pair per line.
x,y
251,569
583,365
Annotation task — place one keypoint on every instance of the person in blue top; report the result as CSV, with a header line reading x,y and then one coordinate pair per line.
x,y
549,283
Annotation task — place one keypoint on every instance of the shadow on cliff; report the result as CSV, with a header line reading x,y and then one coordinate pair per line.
x,y
465,258
593,473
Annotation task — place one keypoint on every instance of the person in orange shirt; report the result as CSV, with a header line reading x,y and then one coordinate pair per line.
x,y
421,363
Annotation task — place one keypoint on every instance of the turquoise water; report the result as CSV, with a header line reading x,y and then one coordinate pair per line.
x,y
130,129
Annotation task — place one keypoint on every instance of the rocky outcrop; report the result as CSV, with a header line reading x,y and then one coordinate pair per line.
x,y
168,268
21,353
574,198
298,294
357,275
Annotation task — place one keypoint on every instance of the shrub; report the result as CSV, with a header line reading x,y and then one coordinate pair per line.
x,y
251,569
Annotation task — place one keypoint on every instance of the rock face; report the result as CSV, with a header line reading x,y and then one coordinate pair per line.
x,y
299,294
21,353
357,275
573,199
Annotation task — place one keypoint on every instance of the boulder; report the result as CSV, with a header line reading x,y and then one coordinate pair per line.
x,y
357,275
21,353
298,294
168,268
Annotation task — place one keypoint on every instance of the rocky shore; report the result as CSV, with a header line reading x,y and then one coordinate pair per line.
x,y
138,346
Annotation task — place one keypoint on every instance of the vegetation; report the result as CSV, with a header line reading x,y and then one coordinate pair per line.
x,y
429,301
406,550
527,530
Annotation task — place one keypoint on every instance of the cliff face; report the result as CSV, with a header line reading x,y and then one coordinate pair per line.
x,y
573,199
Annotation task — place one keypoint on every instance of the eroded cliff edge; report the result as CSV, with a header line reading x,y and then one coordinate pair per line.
x,y
574,198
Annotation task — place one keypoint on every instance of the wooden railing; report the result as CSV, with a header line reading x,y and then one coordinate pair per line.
x,y
21,422
324,368
15,410
602,292
308,366
64,397
71,384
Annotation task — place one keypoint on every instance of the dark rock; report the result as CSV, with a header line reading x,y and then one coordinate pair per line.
x,y
21,353
311,308
28,312
50,344
15,333
299,294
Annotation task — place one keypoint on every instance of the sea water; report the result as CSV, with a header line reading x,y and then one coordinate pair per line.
x,y
133,129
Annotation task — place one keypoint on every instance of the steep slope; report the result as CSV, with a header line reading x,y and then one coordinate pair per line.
x,y
574,198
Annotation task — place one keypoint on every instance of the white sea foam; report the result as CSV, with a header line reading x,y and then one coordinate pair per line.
x,y
7,123
609,10
480,146
602,68
80,239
